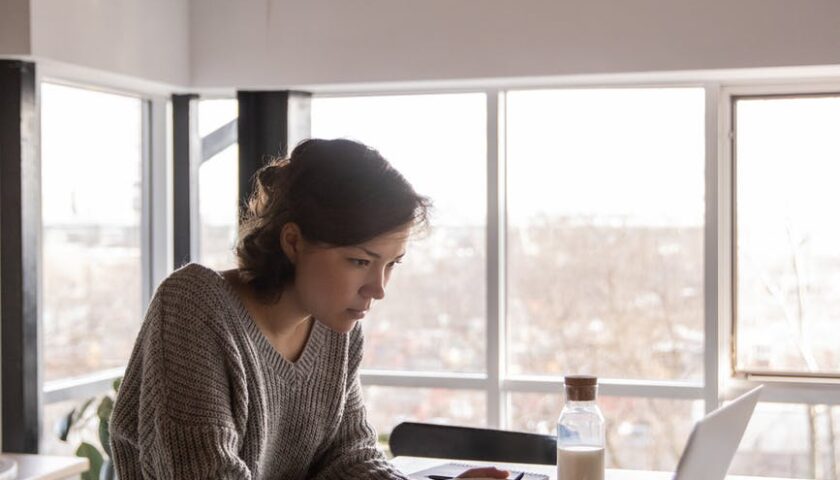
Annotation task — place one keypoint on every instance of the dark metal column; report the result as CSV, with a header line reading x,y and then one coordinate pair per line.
x,y
270,125
186,148
20,219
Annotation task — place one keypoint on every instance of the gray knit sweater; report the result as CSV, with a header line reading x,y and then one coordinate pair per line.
x,y
205,395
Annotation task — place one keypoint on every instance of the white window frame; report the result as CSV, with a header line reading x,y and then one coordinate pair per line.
x,y
496,383
718,384
156,199
780,389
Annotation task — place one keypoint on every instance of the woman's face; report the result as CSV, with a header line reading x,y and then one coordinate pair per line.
x,y
338,285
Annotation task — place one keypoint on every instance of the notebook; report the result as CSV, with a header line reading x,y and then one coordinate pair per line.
x,y
455,469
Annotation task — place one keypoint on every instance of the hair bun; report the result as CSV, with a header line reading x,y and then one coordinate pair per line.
x,y
270,184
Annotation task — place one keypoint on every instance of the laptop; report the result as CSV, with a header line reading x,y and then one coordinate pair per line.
x,y
715,438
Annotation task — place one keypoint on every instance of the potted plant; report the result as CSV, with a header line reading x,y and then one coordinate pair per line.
x,y
80,418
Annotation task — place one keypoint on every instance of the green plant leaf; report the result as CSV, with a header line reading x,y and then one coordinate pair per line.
x,y
62,426
80,412
90,452
105,436
117,384
105,408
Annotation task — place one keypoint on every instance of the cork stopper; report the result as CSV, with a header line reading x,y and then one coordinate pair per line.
x,y
581,388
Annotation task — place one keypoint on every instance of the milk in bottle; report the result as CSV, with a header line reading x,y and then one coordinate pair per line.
x,y
580,432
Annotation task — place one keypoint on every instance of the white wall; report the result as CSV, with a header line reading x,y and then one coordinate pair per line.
x,y
276,43
148,39
260,43
14,27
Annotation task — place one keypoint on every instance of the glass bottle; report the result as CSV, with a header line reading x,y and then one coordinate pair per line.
x,y
580,431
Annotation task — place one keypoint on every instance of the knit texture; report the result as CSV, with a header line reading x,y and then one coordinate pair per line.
x,y
207,396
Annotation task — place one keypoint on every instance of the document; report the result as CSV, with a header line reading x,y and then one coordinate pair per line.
x,y
452,470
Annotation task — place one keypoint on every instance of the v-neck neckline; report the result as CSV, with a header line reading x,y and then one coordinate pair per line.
x,y
292,372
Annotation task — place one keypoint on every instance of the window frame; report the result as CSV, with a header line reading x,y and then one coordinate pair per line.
x,y
155,216
781,387
720,381
212,144
497,384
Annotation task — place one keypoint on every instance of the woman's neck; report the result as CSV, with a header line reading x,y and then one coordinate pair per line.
x,y
284,322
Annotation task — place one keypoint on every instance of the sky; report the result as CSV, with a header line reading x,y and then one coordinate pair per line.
x,y
90,157
631,154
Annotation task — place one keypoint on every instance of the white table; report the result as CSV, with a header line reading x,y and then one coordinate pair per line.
x,y
47,467
411,465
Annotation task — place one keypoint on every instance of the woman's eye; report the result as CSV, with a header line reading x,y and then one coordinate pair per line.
x,y
360,262
394,263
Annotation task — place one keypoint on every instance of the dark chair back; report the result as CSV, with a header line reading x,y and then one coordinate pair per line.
x,y
466,443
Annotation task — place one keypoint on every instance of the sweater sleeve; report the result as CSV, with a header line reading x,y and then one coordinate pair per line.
x,y
353,452
173,417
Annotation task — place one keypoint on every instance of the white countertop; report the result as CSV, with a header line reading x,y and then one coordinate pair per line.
x,y
46,467
410,465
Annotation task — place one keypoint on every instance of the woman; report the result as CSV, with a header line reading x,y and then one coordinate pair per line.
x,y
252,373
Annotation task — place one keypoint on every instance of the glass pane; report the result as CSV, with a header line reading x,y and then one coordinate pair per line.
x,y
217,199
642,434
216,113
789,441
605,232
91,155
218,189
439,143
788,234
389,406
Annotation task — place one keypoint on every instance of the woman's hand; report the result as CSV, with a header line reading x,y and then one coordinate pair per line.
x,y
484,472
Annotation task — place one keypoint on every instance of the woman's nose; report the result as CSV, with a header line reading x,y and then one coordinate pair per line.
x,y
374,288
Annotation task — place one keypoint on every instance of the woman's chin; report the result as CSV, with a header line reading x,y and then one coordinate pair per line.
x,y
342,325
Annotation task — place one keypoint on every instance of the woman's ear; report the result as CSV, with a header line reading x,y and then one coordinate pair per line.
x,y
291,241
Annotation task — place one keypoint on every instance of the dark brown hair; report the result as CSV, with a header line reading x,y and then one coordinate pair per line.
x,y
339,192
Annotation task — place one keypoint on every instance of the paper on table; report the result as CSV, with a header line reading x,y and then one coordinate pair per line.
x,y
455,469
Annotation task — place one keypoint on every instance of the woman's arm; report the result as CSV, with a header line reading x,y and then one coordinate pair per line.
x,y
353,452
173,415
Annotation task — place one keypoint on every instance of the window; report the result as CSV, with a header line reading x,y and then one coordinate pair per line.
x,y
91,154
439,143
218,192
605,232
560,204
789,440
389,406
92,161
603,215
788,235
604,263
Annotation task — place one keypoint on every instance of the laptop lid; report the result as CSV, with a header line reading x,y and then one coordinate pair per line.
x,y
715,438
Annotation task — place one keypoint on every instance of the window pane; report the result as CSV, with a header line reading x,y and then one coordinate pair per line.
x,y
389,406
788,234
91,155
439,143
642,434
218,189
216,113
605,232
780,439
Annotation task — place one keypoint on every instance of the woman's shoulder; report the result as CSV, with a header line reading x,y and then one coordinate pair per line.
x,y
193,280
194,292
